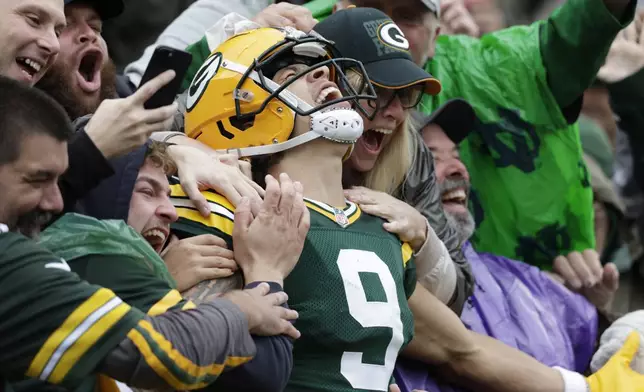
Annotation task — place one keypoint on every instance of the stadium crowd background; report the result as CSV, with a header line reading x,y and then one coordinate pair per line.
x,y
485,230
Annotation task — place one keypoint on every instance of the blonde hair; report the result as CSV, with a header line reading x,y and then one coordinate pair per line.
x,y
158,154
394,162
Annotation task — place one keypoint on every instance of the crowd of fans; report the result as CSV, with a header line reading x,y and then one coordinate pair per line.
x,y
344,195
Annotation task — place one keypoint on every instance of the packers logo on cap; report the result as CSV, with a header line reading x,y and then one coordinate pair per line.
x,y
391,35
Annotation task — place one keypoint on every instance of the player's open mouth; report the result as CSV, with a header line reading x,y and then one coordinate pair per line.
x,y
89,70
29,66
156,237
372,139
329,94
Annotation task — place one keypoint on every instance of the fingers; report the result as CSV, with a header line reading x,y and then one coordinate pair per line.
x,y
214,273
207,239
285,14
377,210
360,195
260,291
299,206
305,216
395,227
243,217
272,197
290,330
302,17
260,191
556,277
161,114
190,187
581,269
610,278
630,32
562,267
277,299
245,189
229,159
217,262
594,264
272,20
305,222
216,251
245,168
394,388
146,91
450,13
288,194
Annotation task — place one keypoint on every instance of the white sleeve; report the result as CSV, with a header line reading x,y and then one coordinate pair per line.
x,y
190,26
435,268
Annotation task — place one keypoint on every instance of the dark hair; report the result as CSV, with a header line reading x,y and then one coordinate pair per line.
x,y
26,111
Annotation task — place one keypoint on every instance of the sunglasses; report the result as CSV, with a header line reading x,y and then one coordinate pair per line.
x,y
409,96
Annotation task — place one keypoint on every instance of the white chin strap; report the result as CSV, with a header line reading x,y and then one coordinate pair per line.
x,y
338,125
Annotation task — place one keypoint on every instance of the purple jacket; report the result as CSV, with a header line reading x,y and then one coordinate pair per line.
x,y
521,306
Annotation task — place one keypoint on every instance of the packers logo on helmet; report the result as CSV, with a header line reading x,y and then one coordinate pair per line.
x,y
233,103
202,78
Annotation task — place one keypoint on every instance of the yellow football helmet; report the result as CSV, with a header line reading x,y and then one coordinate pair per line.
x,y
233,103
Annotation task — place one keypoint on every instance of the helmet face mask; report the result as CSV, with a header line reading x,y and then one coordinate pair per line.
x,y
234,102
351,91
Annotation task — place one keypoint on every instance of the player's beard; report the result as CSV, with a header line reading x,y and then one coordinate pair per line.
x,y
57,83
462,222
32,222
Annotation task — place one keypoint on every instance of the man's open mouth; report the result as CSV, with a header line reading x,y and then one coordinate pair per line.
x,y
89,70
455,197
29,65
156,237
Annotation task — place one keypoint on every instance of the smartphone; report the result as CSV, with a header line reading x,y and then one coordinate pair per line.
x,y
163,59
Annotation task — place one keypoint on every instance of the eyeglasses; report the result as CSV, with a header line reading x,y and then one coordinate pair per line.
x,y
409,96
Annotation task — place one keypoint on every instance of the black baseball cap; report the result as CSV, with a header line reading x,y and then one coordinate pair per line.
x,y
107,9
371,37
456,117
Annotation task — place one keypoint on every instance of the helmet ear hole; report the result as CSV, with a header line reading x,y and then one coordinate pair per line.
x,y
242,123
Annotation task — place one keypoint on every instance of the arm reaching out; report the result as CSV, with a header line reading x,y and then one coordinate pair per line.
x,y
482,363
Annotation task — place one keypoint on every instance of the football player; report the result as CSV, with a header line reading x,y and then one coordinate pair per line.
x,y
282,93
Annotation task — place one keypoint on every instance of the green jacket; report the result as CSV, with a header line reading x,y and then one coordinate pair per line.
x,y
75,236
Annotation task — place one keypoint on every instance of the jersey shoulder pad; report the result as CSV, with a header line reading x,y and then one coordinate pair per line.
x,y
222,212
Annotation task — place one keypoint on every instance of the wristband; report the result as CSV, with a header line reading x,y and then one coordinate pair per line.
x,y
573,381
274,286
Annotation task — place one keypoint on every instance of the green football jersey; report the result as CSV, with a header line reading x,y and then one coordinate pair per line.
x,y
55,327
350,289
